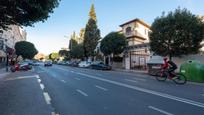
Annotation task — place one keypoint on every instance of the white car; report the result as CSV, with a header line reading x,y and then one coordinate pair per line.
x,y
84,64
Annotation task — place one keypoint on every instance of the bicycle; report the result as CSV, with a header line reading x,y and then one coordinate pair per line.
x,y
177,78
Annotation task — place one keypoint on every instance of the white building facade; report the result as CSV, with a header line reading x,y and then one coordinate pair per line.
x,y
9,38
137,53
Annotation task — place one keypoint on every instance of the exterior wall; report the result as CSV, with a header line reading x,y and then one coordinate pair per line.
x,y
136,57
13,35
10,37
143,31
183,59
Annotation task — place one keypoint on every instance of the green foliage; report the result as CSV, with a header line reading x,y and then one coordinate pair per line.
x,y
178,33
72,43
25,49
92,13
91,35
77,51
65,54
54,56
114,43
25,12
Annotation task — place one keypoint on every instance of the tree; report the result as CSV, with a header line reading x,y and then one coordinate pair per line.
x,y
176,34
113,43
25,49
72,42
77,52
25,12
54,56
65,54
91,35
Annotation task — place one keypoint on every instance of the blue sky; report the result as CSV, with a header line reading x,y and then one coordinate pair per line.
x,y
72,15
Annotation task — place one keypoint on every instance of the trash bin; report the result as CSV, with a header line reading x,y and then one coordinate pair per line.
x,y
193,70
154,64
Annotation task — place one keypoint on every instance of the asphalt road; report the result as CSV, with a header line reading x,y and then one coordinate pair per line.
x,y
76,91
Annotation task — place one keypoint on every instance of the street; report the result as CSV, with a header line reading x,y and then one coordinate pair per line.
x,y
76,91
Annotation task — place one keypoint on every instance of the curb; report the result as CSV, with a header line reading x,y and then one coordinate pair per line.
x,y
131,71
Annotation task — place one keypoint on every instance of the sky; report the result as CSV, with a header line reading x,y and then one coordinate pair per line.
x,y
72,15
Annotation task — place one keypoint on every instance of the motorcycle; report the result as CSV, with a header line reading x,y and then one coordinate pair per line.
x,y
21,67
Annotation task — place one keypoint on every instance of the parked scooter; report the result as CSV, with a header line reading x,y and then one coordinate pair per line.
x,y
21,67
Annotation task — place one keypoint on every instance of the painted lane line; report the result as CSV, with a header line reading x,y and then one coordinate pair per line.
x,y
53,113
63,81
159,110
42,86
47,98
77,78
37,76
101,88
39,80
81,92
164,95
18,78
131,80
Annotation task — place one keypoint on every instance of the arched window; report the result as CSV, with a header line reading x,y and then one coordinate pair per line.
x,y
128,31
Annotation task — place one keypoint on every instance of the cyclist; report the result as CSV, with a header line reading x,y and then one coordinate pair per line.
x,y
170,66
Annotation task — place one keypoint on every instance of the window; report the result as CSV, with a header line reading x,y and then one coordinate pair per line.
x,y
128,31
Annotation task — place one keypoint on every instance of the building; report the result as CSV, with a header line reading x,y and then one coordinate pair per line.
x,y
137,53
9,38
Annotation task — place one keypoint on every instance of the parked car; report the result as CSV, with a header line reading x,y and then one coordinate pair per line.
x,y
21,66
74,63
35,63
48,63
100,66
84,64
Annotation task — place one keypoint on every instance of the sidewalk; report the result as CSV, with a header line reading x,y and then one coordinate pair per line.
x,y
144,72
2,65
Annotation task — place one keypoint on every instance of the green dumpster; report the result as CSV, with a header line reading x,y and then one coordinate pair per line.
x,y
193,70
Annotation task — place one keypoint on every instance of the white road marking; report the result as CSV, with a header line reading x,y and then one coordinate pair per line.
x,y
42,86
131,80
159,110
101,88
47,98
37,76
77,78
53,113
202,94
81,92
39,80
164,95
63,81
70,71
23,77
